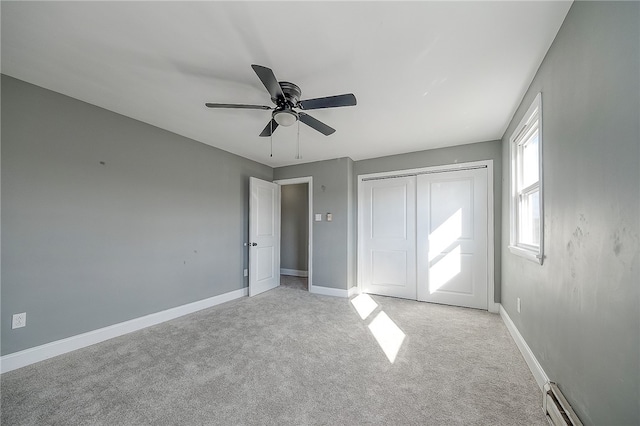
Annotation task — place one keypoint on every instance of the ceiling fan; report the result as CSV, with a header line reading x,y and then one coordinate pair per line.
x,y
286,97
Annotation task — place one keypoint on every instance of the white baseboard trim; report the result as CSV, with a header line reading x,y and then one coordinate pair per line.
x,y
49,350
328,291
294,272
535,367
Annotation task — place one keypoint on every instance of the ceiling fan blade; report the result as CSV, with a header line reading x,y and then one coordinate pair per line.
x,y
316,124
271,127
269,80
236,106
329,102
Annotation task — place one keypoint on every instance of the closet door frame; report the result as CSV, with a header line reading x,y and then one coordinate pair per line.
x,y
492,305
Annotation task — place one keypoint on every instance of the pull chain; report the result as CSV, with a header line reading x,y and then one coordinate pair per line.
x,y
298,157
271,136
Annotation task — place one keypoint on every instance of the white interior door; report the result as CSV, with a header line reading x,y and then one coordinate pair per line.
x,y
264,236
389,257
452,238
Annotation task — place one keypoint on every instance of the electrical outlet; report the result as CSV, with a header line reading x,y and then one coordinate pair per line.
x,y
19,320
518,304
246,272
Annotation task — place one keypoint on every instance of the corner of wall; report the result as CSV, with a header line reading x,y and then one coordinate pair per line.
x,y
351,225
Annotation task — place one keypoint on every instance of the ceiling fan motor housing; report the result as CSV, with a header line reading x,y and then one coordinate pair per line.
x,y
284,114
292,95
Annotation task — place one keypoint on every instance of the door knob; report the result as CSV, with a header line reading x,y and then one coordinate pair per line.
x,y
254,244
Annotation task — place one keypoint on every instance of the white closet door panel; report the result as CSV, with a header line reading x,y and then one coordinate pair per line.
x,y
389,266
452,238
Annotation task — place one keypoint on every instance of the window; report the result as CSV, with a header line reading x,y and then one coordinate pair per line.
x,y
526,185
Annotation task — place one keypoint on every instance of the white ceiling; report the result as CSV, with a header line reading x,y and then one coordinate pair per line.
x,y
425,74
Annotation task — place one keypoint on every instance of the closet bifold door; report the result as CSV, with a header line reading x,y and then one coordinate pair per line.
x,y
452,238
389,228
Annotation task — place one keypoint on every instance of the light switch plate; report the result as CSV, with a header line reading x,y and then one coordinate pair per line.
x,y
329,217
318,217
19,320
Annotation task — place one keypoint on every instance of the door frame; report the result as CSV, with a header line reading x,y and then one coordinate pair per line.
x,y
493,306
309,181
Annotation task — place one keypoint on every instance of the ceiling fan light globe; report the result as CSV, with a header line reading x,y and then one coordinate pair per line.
x,y
285,118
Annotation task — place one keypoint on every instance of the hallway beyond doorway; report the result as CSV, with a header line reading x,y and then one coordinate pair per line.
x,y
294,283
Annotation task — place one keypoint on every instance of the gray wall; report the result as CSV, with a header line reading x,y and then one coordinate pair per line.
x,y
294,229
442,156
86,245
330,239
580,310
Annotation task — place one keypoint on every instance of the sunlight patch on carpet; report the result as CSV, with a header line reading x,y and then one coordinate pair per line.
x,y
388,335
364,305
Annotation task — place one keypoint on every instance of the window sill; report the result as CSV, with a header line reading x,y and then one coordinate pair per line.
x,y
531,255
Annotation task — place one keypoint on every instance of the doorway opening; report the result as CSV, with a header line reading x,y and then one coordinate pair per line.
x,y
296,233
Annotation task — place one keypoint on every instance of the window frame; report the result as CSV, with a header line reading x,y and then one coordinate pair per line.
x,y
520,135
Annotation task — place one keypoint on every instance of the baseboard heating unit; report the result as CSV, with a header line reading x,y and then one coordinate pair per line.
x,y
556,407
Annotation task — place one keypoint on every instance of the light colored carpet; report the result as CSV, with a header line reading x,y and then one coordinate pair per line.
x,y
287,357
296,283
